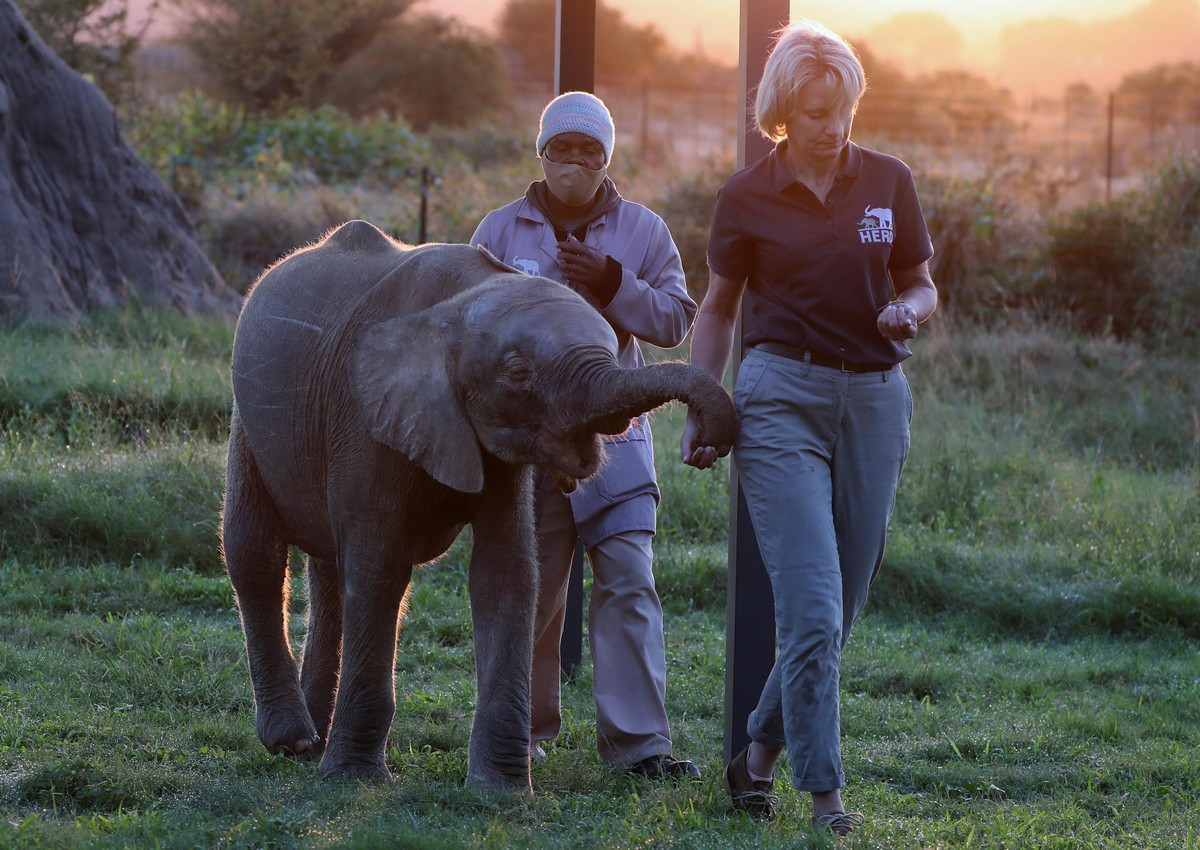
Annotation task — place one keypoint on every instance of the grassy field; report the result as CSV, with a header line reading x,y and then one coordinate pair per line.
x,y
1028,674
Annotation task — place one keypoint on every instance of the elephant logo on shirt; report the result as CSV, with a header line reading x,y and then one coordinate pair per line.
x,y
877,225
530,267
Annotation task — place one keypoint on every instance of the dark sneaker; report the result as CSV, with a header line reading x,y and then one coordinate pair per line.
x,y
840,824
753,798
664,767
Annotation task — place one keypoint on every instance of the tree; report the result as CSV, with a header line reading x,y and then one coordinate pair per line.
x,y
84,225
431,71
622,49
95,37
269,55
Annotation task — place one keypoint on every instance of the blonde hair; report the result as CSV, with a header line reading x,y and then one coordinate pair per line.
x,y
805,51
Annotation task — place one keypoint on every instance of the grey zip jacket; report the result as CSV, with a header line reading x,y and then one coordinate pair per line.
x,y
651,304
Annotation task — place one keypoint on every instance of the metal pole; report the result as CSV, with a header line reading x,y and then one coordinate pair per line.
x,y
750,605
422,232
574,70
575,46
1108,171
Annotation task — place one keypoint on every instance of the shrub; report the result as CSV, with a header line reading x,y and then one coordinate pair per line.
x,y
186,140
194,140
243,237
486,146
981,242
687,206
333,146
1094,254
1173,219
1132,266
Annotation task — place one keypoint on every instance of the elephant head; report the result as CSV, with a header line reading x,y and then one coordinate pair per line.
x,y
520,368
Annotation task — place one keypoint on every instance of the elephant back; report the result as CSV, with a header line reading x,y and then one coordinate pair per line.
x,y
304,318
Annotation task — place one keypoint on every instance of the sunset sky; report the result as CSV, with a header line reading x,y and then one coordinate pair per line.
x,y
713,23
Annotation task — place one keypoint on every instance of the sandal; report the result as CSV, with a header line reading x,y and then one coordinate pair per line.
x,y
754,798
838,823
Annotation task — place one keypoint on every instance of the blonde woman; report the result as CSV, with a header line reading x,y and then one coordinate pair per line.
x,y
828,243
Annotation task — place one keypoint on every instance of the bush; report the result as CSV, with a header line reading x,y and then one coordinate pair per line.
x,y
331,145
1132,266
1168,311
486,146
194,139
982,243
244,237
687,207
1094,254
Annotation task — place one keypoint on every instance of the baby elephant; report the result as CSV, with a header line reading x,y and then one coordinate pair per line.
x,y
385,396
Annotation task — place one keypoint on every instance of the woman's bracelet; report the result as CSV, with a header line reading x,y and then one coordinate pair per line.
x,y
898,303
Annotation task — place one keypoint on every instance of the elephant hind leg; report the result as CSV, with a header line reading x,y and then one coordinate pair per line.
x,y
323,644
256,557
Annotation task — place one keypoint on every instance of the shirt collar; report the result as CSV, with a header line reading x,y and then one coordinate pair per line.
x,y
781,175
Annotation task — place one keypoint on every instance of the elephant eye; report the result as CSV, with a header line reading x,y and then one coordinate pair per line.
x,y
516,369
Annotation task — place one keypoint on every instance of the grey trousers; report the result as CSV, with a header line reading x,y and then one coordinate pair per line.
x,y
625,636
819,455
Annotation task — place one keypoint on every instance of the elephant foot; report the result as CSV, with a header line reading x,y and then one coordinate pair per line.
x,y
335,767
290,733
500,786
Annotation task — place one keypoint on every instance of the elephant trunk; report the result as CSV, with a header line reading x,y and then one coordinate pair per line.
x,y
621,394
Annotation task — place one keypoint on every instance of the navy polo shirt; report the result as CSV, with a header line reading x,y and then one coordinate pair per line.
x,y
816,272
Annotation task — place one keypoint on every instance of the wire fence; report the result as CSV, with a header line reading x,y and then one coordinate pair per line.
x,y
1086,152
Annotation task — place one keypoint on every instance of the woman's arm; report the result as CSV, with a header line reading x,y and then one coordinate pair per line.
x,y
712,344
916,299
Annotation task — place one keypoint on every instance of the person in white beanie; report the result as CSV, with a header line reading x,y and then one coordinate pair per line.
x,y
575,228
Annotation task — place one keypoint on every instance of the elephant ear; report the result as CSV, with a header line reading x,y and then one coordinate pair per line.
x,y
400,367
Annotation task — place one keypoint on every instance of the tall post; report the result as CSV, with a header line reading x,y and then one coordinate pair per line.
x,y
1108,155
574,46
574,70
750,605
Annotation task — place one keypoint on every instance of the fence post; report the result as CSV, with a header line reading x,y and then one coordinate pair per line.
x,y
423,225
574,70
750,605
1108,167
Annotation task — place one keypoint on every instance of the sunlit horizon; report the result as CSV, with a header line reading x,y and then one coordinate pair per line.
x,y
711,27
977,21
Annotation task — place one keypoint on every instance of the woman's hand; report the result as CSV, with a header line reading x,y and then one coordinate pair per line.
x,y
916,299
701,457
897,321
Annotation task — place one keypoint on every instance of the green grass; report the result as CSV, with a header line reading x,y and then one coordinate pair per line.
x,y
1027,674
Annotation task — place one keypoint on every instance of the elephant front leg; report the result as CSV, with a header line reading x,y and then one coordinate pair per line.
x,y
256,558
366,697
503,587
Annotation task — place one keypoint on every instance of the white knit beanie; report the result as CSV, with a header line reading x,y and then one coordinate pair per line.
x,y
577,112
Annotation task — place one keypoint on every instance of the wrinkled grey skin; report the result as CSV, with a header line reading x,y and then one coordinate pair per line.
x,y
384,398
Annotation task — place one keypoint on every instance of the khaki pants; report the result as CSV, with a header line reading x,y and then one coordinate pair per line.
x,y
625,636
819,455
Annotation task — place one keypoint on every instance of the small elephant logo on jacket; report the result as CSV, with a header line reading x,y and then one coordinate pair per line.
x,y
530,267
877,225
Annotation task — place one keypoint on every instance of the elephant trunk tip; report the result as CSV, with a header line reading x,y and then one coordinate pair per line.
x,y
622,394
